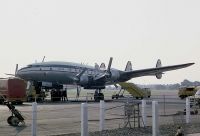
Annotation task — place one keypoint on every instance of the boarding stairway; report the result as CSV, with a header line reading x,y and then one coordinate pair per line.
x,y
135,91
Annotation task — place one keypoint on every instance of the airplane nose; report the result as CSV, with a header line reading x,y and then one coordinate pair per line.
x,y
19,74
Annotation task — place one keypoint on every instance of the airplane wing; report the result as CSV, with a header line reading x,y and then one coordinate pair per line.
x,y
151,71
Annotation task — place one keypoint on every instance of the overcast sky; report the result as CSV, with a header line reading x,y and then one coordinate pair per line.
x,y
90,31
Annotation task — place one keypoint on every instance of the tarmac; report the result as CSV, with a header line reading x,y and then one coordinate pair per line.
x,y
195,134
64,118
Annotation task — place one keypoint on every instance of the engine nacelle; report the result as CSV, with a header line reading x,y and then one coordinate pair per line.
x,y
85,80
88,83
158,65
159,75
115,75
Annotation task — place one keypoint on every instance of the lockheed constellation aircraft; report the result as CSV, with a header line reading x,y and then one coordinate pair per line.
x,y
58,73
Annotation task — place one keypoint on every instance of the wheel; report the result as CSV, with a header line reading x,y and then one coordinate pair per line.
x,y
196,112
101,96
181,96
97,99
9,120
14,121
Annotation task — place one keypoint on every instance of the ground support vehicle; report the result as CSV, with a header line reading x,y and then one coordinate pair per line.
x,y
134,90
186,91
12,90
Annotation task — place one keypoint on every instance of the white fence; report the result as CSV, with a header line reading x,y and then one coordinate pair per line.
x,y
90,117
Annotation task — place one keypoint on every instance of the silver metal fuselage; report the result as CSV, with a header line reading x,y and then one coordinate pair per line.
x,y
61,72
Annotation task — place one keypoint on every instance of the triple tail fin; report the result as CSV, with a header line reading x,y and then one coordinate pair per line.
x,y
128,66
102,66
158,65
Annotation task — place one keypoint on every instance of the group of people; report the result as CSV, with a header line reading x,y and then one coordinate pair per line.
x,y
59,95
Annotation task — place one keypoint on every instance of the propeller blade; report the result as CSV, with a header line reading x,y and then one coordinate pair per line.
x,y
16,69
81,73
9,74
43,59
110,63
115,85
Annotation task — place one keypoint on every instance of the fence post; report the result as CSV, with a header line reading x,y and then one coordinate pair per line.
x,y
84,119
102,115
34,119
144,114
187,110
155,125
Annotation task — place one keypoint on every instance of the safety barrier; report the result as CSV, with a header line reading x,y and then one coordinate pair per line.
x,y
63,118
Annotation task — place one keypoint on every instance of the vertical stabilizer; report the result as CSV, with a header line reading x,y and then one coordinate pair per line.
x,y
158,65
96,66
128,66
102,66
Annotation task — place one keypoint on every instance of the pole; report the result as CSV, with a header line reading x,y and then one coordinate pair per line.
x,y
34,119
164,106
187,110
155,125
144,115
102,115
84,119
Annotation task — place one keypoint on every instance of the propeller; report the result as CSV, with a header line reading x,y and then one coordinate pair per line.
x,y
3,78
16,69
110,63
80,74
43,59
108,73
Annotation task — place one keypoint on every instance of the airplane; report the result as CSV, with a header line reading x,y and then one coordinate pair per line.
x,y
55,74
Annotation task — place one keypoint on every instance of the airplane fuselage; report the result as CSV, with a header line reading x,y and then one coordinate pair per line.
x,y
63,73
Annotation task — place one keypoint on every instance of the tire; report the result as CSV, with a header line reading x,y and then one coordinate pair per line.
x,y
181,96
9,120
96,98
196,112
101,96
14,121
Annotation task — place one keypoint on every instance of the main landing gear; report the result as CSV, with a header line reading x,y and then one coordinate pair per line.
x,y
98,95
